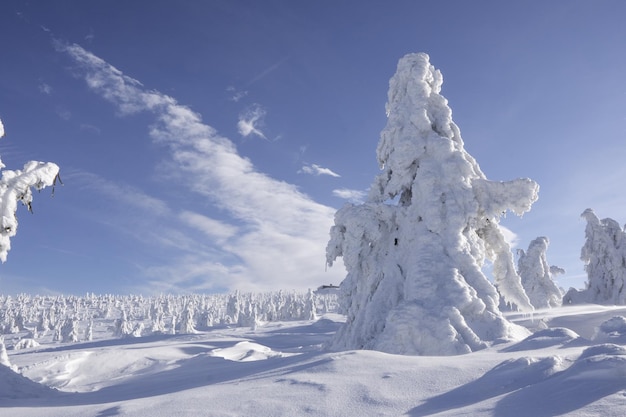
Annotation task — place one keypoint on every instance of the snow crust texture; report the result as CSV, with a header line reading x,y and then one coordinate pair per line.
x,y
414,250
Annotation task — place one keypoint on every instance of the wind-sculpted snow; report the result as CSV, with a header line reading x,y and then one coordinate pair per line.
x,y
414,250
282,368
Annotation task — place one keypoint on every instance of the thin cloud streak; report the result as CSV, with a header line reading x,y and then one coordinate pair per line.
x,y
285,231
317,170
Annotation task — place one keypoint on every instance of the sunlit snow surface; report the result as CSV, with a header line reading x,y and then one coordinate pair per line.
x,y
574,364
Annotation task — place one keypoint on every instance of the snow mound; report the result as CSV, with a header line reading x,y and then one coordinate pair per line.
x,y
25,343
508,376
248,352
597,373
545,338
16,386
612,330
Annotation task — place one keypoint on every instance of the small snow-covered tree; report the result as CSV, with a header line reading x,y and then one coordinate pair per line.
x,y
536,275
604,255
414,250
4,356
15,186
69,330
187,325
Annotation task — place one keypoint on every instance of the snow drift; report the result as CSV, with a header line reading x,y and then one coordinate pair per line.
x,y
414,250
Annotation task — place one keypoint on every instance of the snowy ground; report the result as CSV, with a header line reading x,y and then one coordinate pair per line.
x,y
281,369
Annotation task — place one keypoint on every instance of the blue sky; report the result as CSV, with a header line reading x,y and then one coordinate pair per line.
x,y
205,146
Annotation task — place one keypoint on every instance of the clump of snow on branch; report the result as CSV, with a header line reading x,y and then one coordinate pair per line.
x,y
537,275
604,255
16,186
414,250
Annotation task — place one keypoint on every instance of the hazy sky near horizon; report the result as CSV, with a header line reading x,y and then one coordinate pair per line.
x,y
205,146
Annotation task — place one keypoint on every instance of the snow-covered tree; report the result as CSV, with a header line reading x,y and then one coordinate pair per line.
x,y
604,255
4,356
414,250
15,186
187,325
69,330
537,276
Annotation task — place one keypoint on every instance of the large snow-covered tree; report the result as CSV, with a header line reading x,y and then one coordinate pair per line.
x,y
414,251
604,255
537,275
16,186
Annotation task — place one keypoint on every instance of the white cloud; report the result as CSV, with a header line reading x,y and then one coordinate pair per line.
x,y
236,95
208,226
1,129
250,120
123,195
282,233
355,196
45,88
315,169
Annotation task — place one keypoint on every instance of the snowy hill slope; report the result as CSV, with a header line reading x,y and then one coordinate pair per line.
x,y
283,369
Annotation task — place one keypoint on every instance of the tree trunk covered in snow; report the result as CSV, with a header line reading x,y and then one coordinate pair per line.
x,y
414,251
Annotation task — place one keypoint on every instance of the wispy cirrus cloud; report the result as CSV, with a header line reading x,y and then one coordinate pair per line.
x,y
250,120
123,195
235,94
317,170
280,234
354,196
264,73
45,88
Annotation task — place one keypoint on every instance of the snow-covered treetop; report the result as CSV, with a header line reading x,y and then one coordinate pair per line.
x,y
419,122
16,186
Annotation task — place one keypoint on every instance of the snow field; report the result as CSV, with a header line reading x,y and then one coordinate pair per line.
x,y
284,369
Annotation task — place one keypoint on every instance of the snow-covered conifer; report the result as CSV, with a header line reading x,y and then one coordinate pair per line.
x,y
414,250
69,330
187,325
309,311
4,356
536,275
89,331
15,186
604,255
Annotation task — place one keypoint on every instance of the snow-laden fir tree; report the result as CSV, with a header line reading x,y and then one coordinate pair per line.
x,y
4,356
187,323
537,275
604,255
15,186
414,250
69,330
